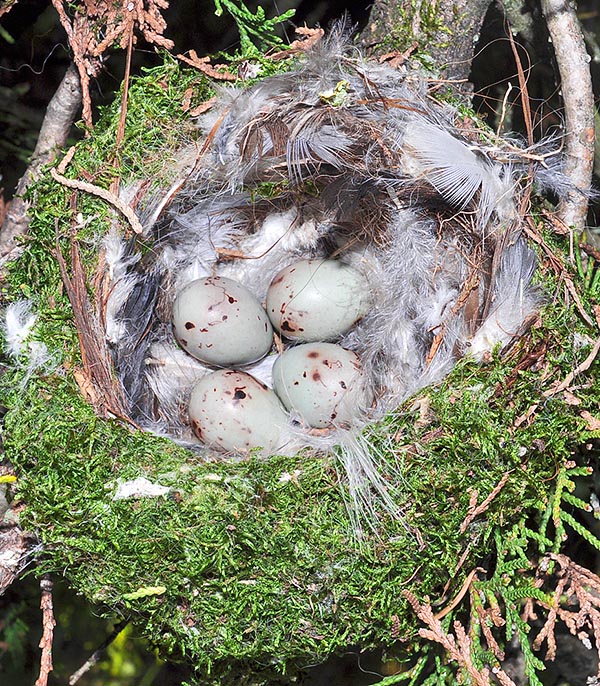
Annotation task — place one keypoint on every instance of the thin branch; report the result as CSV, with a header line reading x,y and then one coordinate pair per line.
x,y
584,366
576,83
56,126
464,589
480,509
48,624
97,654
97,373
110,198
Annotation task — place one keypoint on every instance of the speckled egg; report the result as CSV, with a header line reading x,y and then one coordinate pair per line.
x,y
316,300
321,382
235,412
220,322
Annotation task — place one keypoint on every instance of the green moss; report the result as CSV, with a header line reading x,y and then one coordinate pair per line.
x,y
418,25
261,567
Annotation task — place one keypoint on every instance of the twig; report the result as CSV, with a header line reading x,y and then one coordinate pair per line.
x,y
584,366
48,624
559,268
95,356
96,26
480,509
217,72
109,197
578,98
97,654
59,118
458,648
464,589
114,186
523,89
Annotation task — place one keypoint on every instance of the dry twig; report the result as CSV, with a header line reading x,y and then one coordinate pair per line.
x,y
97,654
219,72
48,624
96,375
559,268
464,589
584,366
307,39
578,588
475,510
101,23
113,200
458,647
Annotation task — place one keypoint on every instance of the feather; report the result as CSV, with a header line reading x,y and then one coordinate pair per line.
x,y
19,321
514,301
459,172
18,324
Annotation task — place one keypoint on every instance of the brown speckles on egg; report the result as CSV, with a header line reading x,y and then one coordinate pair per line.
x,y
318,381
189,325
238,413
286,326
183,342
327,296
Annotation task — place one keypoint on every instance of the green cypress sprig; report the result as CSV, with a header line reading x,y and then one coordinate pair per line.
x,y
253,28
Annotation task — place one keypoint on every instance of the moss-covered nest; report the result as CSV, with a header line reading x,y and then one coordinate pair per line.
x,y
256,565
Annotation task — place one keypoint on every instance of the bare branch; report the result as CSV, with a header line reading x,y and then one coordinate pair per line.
x,y
573,64
97,654
96,25
56,126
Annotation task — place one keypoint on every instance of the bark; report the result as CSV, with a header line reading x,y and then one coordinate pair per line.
x,y
448,31
576,82
16,548
55,130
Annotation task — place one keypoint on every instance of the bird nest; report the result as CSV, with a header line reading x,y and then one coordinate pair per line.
x,y
339,164
239,551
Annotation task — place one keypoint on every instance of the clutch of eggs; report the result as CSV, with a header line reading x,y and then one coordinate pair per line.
x,y
222,323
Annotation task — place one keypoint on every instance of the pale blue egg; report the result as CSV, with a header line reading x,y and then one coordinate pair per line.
x,y
235,412
317,300
321,382
220,322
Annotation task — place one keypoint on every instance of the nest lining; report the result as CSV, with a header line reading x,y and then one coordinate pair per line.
x,y
382,180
